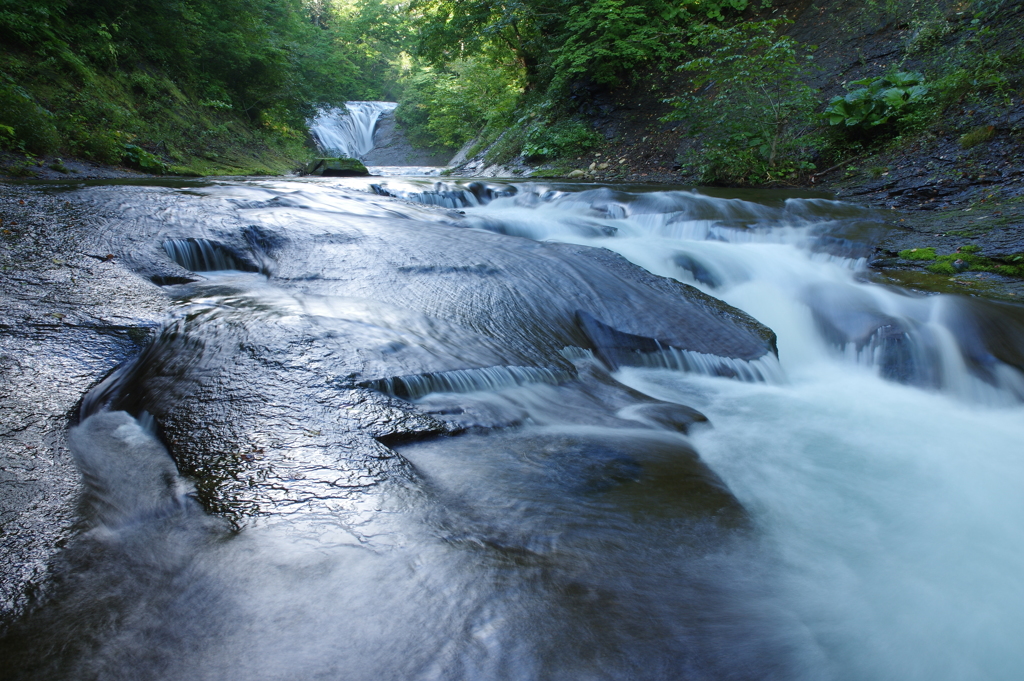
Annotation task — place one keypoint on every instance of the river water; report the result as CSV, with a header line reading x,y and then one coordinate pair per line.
x,y
548,505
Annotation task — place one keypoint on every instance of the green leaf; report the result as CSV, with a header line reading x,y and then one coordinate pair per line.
x,y
894,97
917,93
906,78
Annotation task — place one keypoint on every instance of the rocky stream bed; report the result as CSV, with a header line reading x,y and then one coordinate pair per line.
x,y
302,407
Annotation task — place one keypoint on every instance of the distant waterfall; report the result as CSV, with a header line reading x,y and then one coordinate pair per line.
x,y
341,132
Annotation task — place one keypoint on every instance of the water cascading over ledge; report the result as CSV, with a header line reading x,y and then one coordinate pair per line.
x,y
467,380
204,255
808,273
348,132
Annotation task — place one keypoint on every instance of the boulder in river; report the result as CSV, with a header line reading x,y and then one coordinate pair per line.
x,y
337,167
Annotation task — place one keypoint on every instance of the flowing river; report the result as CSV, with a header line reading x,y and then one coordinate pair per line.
x,y
443,431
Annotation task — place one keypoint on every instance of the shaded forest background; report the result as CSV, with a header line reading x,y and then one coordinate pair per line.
x,y
749,98
190,86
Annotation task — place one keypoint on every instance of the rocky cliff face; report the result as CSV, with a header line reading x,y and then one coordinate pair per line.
x,y
392,148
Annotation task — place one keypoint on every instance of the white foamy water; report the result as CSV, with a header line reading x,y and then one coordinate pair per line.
x,y
894,514
894,510
768,261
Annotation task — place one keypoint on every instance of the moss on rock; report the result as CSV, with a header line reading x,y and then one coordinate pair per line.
x,y
337,167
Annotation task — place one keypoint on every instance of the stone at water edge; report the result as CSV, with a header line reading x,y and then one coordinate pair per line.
x,y
337,167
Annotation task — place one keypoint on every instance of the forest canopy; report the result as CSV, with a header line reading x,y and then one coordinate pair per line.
x,y
541,50
174,76
208,86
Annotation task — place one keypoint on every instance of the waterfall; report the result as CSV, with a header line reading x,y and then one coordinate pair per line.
x,y
348,132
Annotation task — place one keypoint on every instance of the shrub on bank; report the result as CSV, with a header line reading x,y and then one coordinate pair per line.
x,y
749,104
874,102
30,127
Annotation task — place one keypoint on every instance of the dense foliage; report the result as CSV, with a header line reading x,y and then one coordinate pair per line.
x,y
750,101
227,85
539,49
449,106
555,40
186,79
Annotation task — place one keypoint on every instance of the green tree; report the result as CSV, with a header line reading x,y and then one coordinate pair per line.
x,y
555,41
451,106
451,30
607,39
748,103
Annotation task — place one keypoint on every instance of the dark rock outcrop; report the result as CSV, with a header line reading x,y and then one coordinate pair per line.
x,y
337,167
392,147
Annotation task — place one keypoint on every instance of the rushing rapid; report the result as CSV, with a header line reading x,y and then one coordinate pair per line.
x,y
511,431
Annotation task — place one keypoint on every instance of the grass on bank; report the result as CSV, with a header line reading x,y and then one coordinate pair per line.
x,y
140,120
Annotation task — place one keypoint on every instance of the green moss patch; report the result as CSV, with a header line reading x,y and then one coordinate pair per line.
x,y
551,172
337,167
971,261
968,258
976,136
918,254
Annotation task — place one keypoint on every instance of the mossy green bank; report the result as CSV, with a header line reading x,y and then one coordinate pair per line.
x,y
199,87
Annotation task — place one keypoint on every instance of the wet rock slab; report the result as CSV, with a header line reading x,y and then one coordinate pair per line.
x,y
68,316
268,386
260,387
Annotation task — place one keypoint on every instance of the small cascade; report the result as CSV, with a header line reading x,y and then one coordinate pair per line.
x,y
467,381
765,369
203,255
348,132
798,266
